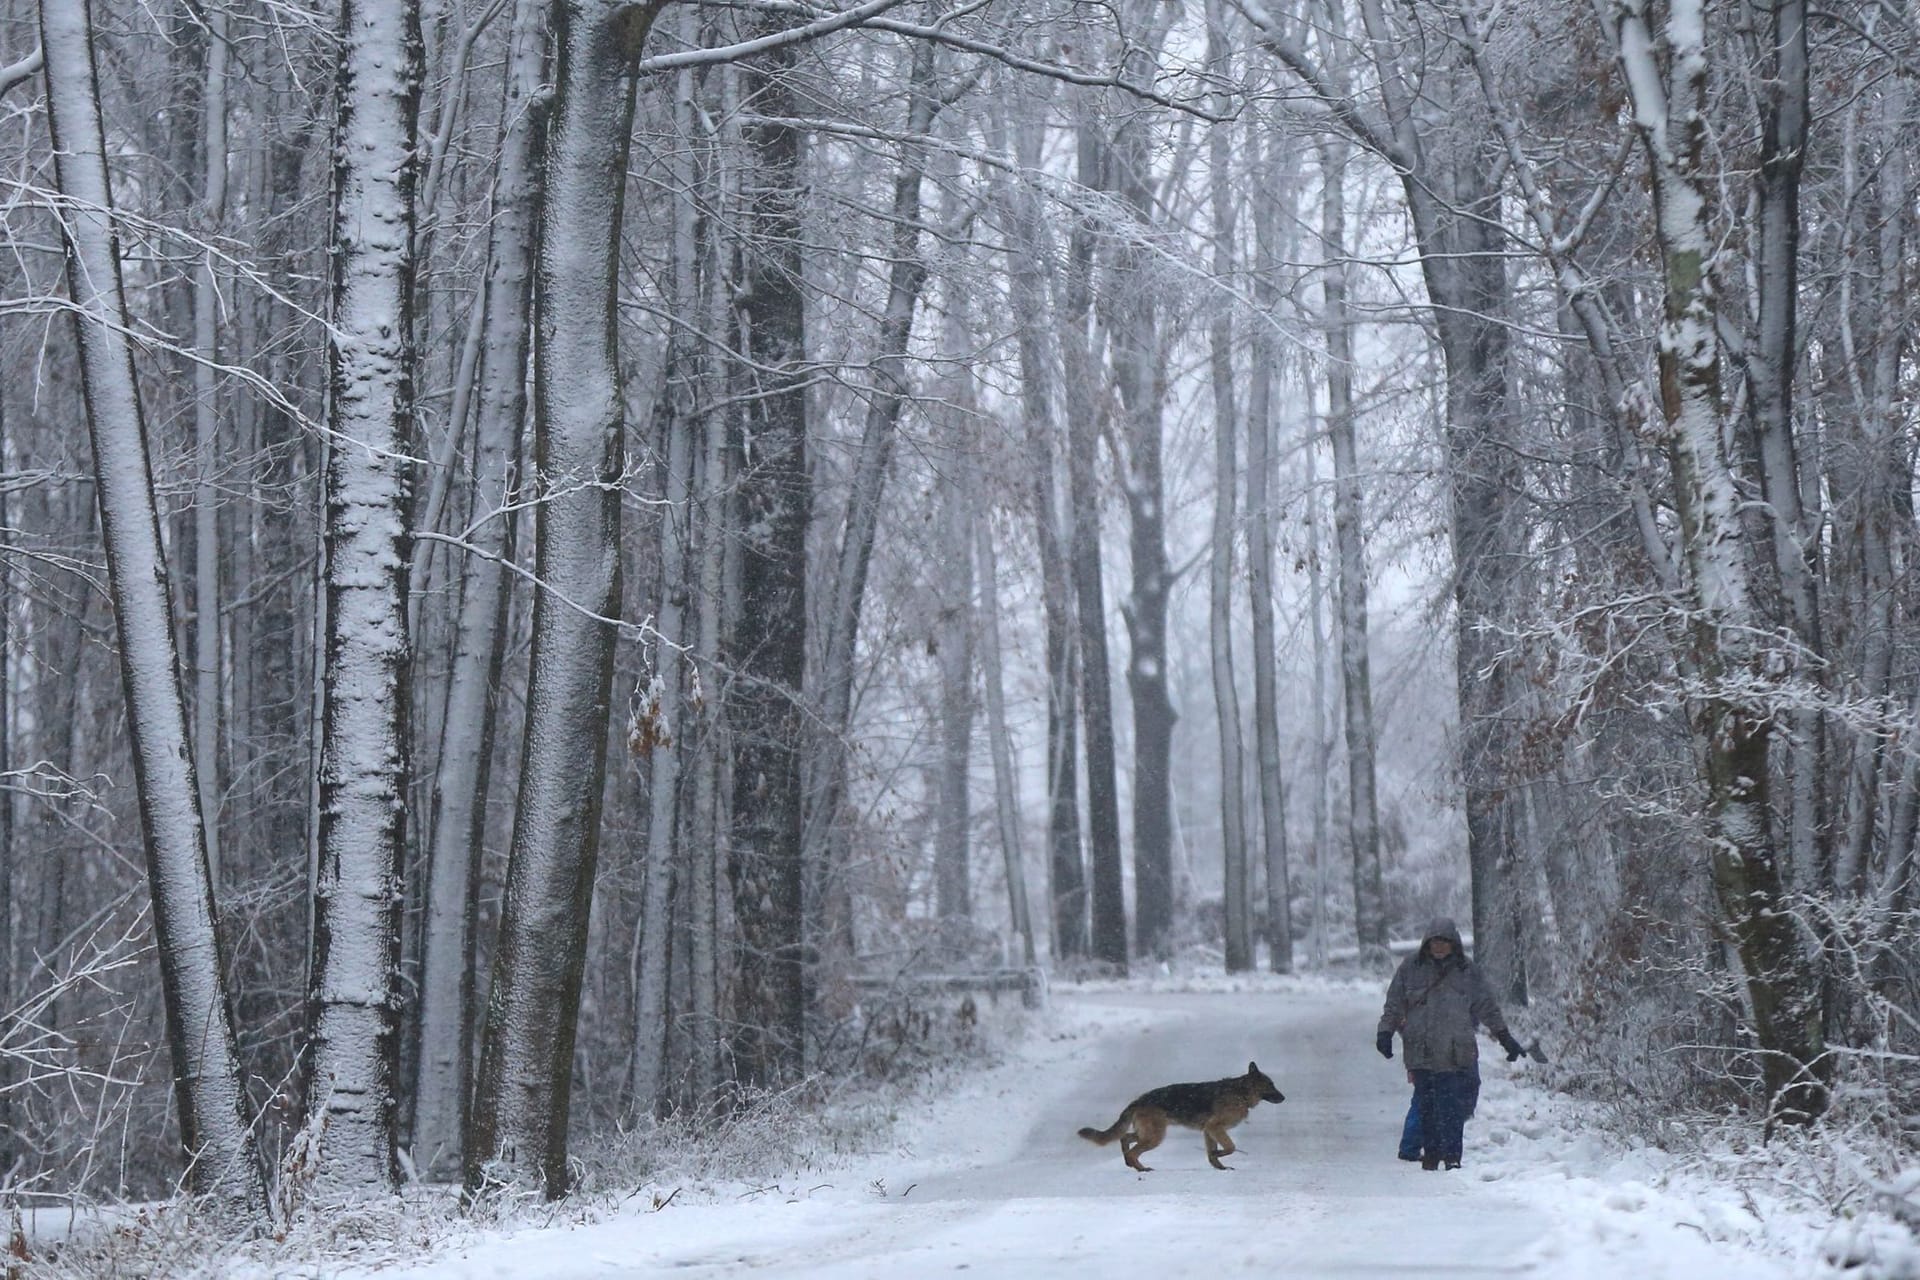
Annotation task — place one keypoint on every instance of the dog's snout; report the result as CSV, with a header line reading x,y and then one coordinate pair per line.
x,y
1276,1096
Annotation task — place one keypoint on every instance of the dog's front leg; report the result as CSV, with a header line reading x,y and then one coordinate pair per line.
x,y
1218,1144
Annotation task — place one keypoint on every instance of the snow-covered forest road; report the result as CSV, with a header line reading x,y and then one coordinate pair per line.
x,y
990,1179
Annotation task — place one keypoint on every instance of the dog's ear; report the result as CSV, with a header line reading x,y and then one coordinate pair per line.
x,y
1252,1070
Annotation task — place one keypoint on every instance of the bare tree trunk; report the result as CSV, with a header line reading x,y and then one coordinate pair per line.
x,y
1067,914
952,861
9,1064
999,739
364,750
768,650
519,1126
906,276
1226,698
1266,698
206,422
1108,936
1349,533
706,830
1732,729
219,1145
1322,746
660,738
1455,216
954,637
1771,358
448,1013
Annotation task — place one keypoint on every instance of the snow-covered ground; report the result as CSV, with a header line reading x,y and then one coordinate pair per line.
x,y
986,1176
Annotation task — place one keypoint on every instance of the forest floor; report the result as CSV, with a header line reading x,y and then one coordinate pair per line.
x,y
982,1173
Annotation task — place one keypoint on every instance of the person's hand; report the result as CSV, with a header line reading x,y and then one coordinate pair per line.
x,y
1514,1050
1384,1043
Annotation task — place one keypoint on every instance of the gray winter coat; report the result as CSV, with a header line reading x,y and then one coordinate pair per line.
x,y
1434,1005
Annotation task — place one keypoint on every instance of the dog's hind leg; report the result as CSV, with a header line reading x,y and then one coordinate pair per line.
x,y
1149,1129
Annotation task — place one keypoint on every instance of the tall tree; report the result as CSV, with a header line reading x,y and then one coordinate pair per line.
x,y
1356,679
364,745
1020,207
221,1160
1226,697
658,738
519,1124
1260,456
1086,406
1732,727
444,1063
1452,203
206,417
1140,377
769,637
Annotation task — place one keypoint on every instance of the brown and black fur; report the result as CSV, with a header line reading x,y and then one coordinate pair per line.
x,y
1212,1107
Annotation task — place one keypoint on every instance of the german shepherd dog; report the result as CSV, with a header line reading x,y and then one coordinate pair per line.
x,y
1212,1107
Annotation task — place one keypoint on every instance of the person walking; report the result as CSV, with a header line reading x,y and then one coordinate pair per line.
x,y
1434,1000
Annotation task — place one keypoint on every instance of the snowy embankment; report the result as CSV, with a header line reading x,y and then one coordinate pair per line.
x,y
979,1171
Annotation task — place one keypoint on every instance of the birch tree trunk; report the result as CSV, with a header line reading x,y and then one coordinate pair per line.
x,y
447,1023
1732,727
1226,698
1356,680
364,748
221,1161
524,1086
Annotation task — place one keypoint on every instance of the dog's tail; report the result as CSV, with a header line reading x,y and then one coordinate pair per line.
x,y
1104,1136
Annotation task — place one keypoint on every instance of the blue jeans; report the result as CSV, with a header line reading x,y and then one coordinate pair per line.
x,y
1442,1101
1410,1134
1410,1131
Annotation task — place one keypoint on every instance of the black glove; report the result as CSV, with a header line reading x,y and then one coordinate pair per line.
x,y
1512,1046
1384,1043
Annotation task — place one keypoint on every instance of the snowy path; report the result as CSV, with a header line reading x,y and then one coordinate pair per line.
x,y
989,1179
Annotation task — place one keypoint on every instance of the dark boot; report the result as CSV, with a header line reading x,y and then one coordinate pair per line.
x,y
1430,1163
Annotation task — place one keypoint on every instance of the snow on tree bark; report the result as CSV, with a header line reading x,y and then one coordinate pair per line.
x,y
353,1058
518,1131
222,1164
1730,724
443,1088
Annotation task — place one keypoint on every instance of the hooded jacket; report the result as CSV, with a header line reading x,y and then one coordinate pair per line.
x,y
1435,1003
